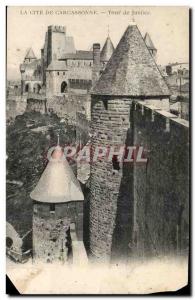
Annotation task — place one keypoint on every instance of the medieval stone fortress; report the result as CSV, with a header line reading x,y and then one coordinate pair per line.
x,y
108,211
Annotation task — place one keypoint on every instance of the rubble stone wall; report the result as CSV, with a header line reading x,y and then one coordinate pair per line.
x,y
49,228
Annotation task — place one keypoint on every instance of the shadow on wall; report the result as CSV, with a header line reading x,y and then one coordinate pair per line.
x,y
86,210
123,231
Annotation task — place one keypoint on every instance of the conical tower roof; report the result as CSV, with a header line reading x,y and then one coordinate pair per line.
x,y
58,183
30,54
131,71
107,50
148,41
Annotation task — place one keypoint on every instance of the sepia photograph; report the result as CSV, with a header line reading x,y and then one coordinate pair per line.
x,y
97,150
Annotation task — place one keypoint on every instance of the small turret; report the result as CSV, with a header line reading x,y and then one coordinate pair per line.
x,y
107,50
57,198
30,56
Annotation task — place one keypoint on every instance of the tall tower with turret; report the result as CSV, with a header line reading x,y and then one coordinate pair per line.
x,y
57,43
130,75
31,73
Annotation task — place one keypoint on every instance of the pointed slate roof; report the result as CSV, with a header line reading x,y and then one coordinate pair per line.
x,y
148,41
30,54
80,54
107,50
57,65
131,71
58,183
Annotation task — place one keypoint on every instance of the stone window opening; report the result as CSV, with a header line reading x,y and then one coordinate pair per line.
x,y
52,208
105,103
64,87
115,164
58,73
26,88
36,88
9,242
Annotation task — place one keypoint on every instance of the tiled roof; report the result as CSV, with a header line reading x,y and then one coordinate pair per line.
x,y
34,64
80,55
80,73
57,65
131,71
107,50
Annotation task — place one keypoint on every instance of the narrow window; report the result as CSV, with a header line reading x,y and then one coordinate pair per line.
x,y
115,163
52,208
63,87
105,104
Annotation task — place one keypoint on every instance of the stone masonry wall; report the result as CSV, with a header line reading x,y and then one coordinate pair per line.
x,y
50,229
37,104
68,105
142,209
49,239
161,187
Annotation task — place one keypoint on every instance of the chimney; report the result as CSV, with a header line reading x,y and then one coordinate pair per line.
x,y
96,63
169,70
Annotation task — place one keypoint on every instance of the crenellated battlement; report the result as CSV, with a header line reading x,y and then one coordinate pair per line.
x,y
55,28
167,118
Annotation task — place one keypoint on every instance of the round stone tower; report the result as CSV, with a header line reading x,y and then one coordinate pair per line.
x,y
130,75
56,200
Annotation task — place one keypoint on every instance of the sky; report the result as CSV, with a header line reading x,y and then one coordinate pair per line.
x,y
26,27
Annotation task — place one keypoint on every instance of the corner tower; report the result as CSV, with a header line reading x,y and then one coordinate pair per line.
x,y
130,75
58,43
107,50
31,73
